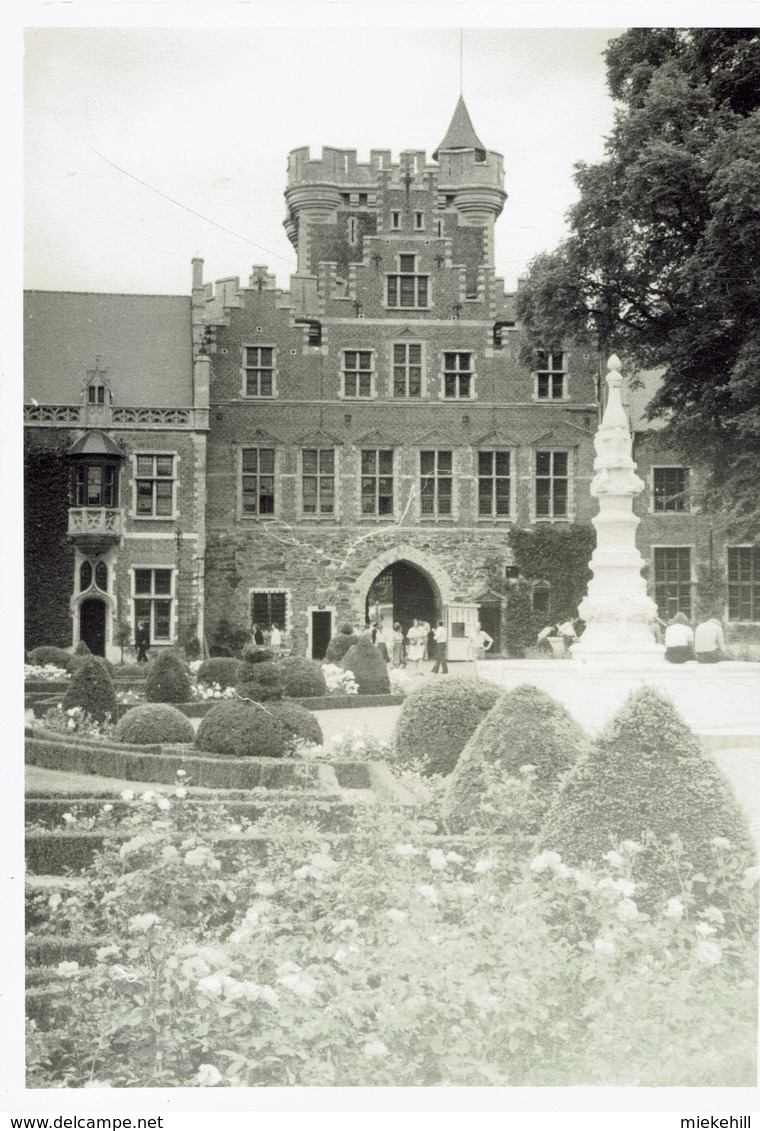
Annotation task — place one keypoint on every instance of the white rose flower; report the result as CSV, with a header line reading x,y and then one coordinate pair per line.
x,y
428,892
708,952
406,850
482,866
104,952
627,909
301,984
211,985
528,768
604,946
67,969
69,818
149,795
614,858
674,909
625,887
454,858
269,995
55,900
395,915
181,793
704,929
374,1049
721,842
208,1076
127,795
631,846
543,861
263,887
437,860
714,915
141,923
169,852
107,808
195,967
751,876
164,805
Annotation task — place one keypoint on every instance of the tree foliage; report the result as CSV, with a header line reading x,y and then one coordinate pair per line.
x,y
661,264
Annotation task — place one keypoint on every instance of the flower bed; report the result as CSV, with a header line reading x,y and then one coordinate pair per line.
x,y
388,958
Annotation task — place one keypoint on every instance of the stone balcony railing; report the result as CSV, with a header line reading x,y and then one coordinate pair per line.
x,y
95,522
116,417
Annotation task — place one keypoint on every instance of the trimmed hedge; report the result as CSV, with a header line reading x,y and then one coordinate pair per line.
x,y
646,774
168,680
92,690
438,719
48,655
524,727
259,678
224,670
304,679
297,722
368,666
151,723
244,730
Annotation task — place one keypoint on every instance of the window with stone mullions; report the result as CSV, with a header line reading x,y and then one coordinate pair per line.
x,y
743,583
436,483
268,609
671,489
153,601
672,580
95,485
551,485
318,480
259,371
457,375
257,481
550,378
357,373
407,370
494,484
377,482
407,289
154,481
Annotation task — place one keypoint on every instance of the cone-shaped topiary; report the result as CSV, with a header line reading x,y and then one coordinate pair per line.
x,y
304,679
524,727
152,723
223,670
646,774
168,680
245,730
368,666
82,649
92,690
438,719
297,722
340,644
259,678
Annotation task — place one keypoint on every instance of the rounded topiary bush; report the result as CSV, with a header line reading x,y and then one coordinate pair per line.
x,y
297,722
368,666
168,680
647,777
47,654
259,678
241,729
438,720
524,727
340,644
223,670
304,679
92,690
154,722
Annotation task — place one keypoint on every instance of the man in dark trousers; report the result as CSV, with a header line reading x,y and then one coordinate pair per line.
x,y
142,640
441,637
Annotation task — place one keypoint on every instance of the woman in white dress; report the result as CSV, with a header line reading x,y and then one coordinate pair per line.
x,y
415,644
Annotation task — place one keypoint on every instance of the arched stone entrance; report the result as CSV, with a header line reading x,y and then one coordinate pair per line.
x,y
92,625
405,583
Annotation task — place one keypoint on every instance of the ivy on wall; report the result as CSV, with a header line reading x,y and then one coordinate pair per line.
x,y
559,555
48,557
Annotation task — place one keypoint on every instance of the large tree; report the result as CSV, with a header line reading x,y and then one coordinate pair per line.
x,y
662,264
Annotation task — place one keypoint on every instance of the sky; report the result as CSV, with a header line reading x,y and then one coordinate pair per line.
x,y
142,144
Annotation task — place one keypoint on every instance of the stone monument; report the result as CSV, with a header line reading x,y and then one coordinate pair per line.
x,y
618,613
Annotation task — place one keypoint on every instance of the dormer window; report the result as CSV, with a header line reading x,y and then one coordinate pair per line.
x,y
96,394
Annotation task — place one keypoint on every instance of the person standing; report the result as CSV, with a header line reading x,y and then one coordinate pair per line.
x,y
678,640
567,632
709,646
275,639
142,641
257,636
480,642
415,644
397,646
426,634
441,637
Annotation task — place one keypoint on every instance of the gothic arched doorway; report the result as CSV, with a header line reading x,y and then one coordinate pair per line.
x,y
92,625
402,592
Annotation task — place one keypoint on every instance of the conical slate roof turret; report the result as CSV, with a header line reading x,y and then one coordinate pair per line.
x,y
461,134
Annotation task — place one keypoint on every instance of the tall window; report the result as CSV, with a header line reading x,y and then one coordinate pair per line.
x,y
257,481
419,221
457,375
96,393
407,370
672,580
357,373
551,485
743,583
550,378
153,601
395,219
436,482
494,484
154,486
96,485
408,289
377,481
259,371
318,480
269,609
671,488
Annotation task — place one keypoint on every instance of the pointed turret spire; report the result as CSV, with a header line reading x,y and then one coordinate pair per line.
x,y
461,134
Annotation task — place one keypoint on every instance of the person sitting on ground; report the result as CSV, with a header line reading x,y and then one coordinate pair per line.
x,y
679,640
709,646
542,640
567,632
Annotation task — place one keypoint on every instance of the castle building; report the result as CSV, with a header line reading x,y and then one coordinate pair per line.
x,y
359,445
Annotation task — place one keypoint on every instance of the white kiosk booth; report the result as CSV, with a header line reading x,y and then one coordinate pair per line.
x,y
461,621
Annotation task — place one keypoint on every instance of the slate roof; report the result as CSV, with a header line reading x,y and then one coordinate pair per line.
x,y
461,134
144,342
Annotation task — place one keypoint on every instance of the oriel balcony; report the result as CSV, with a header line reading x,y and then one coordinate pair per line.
x,y
95,528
